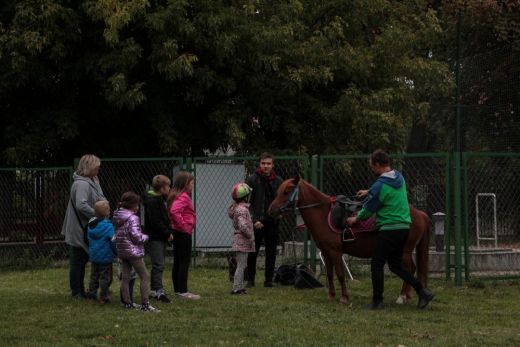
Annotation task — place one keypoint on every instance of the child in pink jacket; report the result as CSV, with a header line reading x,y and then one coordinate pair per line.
x,y
183,218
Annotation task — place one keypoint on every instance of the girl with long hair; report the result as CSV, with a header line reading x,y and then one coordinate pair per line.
x,y
183,218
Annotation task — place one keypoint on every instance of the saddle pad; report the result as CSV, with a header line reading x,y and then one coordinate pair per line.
x,y
364,225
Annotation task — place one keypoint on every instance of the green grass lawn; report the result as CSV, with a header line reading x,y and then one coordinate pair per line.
x,y
35,310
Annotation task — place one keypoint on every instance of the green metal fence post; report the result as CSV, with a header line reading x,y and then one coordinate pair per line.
x,y
448,233
458,220
190,166
457,157
314,181
466,216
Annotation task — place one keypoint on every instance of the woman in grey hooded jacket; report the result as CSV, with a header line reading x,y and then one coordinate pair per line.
x,y
84,193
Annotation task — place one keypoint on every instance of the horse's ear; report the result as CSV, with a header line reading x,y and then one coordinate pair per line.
x,y
296,179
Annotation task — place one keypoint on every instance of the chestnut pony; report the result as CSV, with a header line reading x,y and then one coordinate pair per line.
x,y
314,206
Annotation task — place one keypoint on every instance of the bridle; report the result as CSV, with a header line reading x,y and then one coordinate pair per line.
x,y
292,202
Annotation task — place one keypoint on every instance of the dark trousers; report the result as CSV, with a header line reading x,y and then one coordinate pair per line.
x,y
157,256
100,277
269,236
389,248
78,261
181,261
131,283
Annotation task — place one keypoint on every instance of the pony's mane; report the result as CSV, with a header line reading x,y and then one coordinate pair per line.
x,y
314,189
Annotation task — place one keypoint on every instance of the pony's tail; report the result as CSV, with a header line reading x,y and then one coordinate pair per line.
x,y
422,253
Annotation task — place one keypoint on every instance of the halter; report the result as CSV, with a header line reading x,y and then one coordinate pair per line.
x,y
292,202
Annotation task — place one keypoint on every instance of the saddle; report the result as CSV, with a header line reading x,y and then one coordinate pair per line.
x,y
341,210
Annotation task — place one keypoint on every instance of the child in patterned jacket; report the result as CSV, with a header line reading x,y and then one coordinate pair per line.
x,y
244,236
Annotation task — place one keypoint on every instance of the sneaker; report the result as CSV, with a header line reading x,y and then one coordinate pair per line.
x,y
149,308
375,305
163,298
189,296
238,292
128,305
424,298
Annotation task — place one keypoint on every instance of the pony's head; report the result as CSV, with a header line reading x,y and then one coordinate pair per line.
x,y
286,197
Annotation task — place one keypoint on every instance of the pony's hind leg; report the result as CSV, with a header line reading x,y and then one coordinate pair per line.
x,y
406,289
340,273
330,277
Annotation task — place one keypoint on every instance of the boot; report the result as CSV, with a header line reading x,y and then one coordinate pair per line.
x,y
425,296
375,305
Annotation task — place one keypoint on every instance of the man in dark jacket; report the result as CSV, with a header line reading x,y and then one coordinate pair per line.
x,y
158,227
265,183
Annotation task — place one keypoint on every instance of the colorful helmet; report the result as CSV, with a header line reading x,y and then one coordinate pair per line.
x,y
240,190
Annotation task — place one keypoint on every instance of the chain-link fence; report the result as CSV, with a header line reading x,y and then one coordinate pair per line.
x,y
121,175
492,200
426,177
33,201
214,177
32,208
490,100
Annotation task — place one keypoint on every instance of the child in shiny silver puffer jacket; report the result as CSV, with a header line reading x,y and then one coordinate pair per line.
x,y
130,241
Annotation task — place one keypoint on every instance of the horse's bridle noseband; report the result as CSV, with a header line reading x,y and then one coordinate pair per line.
x,y
291,203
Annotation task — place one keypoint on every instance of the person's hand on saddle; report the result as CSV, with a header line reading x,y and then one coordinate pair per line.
x,y
351,220
258,225
361,193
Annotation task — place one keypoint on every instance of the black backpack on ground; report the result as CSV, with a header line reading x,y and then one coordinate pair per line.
x,y
298,275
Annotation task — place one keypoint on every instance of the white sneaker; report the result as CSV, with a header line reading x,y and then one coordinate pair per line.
x,y
149,308
188,296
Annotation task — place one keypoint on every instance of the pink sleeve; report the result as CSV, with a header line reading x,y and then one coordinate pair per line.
x,y
178,213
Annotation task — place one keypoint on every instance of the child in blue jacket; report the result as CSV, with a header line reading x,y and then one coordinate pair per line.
x,y
101,252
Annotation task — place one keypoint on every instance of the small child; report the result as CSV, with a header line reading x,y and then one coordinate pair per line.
x,y
101,252
244,239
130,249
158,227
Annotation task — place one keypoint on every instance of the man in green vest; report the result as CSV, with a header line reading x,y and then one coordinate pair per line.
x,y
387,198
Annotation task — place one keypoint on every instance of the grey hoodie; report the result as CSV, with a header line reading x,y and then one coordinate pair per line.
x,y
85,192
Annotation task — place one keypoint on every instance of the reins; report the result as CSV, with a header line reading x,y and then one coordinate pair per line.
x,y
293,201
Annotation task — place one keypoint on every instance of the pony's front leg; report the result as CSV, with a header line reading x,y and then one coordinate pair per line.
x,y
330,277
340,273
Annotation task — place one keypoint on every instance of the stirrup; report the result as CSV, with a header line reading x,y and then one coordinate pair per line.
x,y
347,235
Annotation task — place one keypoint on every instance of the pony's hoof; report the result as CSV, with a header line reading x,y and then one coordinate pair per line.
x,y
343,301
401,300
331,297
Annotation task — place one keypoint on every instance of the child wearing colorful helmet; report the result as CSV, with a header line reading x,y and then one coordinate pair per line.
x,y
244,236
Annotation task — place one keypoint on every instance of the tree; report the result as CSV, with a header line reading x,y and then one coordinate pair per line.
x,y
154,78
